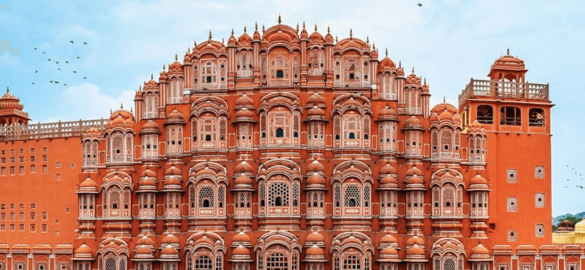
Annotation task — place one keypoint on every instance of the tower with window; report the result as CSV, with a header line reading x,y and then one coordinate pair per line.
x,y
448,254
113,254
445,134
315,193
279,194
146,192
241,255
242,192
388,190
415,190
116,194
90,141
144,254
352,196
280,120
351,123
83,257
276,250
389,79
176,79
413,138
209,125
316,122
387,131
414,96
480,258
479,194
447,190
149,141
174,126
244,124
172,189
207,187
352,250
120,138
87,192
509,110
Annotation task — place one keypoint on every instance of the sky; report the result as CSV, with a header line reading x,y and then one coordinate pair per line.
x,y
447,41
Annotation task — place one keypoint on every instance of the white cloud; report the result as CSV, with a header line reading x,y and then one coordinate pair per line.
x,y
86,101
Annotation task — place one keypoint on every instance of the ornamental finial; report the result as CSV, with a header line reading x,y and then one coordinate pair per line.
x,y
279,19
350,33
256,26
386,52
176,57
244,29
210,34
508,51
315,27
151,76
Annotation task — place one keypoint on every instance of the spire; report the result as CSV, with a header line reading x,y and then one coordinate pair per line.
x,y
399,63
263,29
222,41
151,76
121,105
374,46
328,30
303,24
386,52
444,99
350,33
508,51
176,57
315,27
368,39
189,50
256,26
244,29
425,80
297,27
210,34
279,19
335,38
412,69
233,31
164,66
194,43
7,89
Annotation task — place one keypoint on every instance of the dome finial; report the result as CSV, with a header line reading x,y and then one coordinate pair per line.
x,y
508,51
399,63
444,99
164,67
210,34
256,26
328,30
315,27
194,43
244,29
412,69
386,52
279,19
368,39
176,57
303,24
263,29
7,89
233,30
151,76
374,46
350,33
121,105
297,27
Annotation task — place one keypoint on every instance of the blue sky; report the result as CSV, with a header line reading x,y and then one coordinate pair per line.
x,y
446,41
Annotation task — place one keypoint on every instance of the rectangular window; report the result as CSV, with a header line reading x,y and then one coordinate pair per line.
x,y
33,227
58,164
32,158
3,160
21,159
44,149
45,169
21,206
539,172
512,235
3,227
45,215
21,169
56,221
22,150
12,216
539,230
44,228
33,215
45,158
511,175
3,171
12,227
72,165
58,177
33,206
12,160
21,227
21,216
3,216
12,206
12,170
11,151
2,206
512,205
67,210
539,200
33,168
32,150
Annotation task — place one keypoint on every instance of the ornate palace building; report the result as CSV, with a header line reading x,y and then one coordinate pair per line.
x,y
284,149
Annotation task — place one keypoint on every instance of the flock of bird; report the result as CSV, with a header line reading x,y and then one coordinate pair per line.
x,y
578,175
63,64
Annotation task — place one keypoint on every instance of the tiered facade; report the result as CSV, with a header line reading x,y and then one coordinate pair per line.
x,y
284,150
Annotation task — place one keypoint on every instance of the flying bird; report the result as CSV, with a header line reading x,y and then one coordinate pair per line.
x,y
74,71
56,82
419,4
78,57
51,81
35,48
64,84
49,59
71,42
84,43
59,69
36,71
57,62
43,52
33,82
66,62
84,78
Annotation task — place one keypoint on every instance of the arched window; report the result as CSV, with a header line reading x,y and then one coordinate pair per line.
x,y
351,262
203,263
205,197
279,133
352,196
536,117
278,194
485,114
510,116
279,74
209,75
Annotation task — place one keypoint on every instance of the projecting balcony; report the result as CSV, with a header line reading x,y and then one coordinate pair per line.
x,y
504,89
245,73
352,84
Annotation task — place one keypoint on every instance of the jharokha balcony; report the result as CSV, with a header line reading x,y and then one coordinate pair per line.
x,y
504,89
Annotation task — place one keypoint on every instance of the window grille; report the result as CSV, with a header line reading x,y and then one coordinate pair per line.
x,y
122,265
512,205
218,262
438,264
262,194
337,195
110,264
351,263
367,196
278,194
449,264
277,261
203,263
220,196
205,197
352,196
192,196
336,263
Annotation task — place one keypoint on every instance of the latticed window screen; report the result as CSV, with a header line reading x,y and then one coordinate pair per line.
x,y
337,127
446,137
277,261
122,265
110,264
220,196
437,264
219,262
351,262
278,194
352,196
206,193
203,263
295,261
222,129
295,194
337,195
449,264
192,196
262,192
114,198
336,263
366,127
367,196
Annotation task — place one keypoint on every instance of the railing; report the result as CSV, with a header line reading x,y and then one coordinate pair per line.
x,y
388,96
280,83
148,115
245,73
49,130
504,89
316,72
175,100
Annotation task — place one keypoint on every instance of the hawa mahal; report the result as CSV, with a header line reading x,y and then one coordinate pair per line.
x,y
287,150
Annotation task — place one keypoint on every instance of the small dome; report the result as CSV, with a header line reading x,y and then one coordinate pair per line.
x,y
446,115
388,179
580,226
479,250
315,250
175,66
449,245
8,101
169,250
415,250
352,239
386,63
245,101
163,76
386,112
241,237
315,98
434,117
388,239
143,250
175,115
88,183
245,113
388,169
316,37
256,35
243,179
145,240
389,251
316,111
414,180
172,181
414,170
148,173
439,108
244,167
478,180
150,127
315,237
244,39
170,239
316,179
206,170
173,171
83,250
329,38
415,240
204,239
413,122
304,34
241,250
315,166
232,40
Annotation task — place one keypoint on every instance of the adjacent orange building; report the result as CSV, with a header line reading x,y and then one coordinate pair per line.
x,y
284,150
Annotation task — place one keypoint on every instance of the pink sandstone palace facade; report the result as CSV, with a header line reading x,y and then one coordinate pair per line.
x,y
287,150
